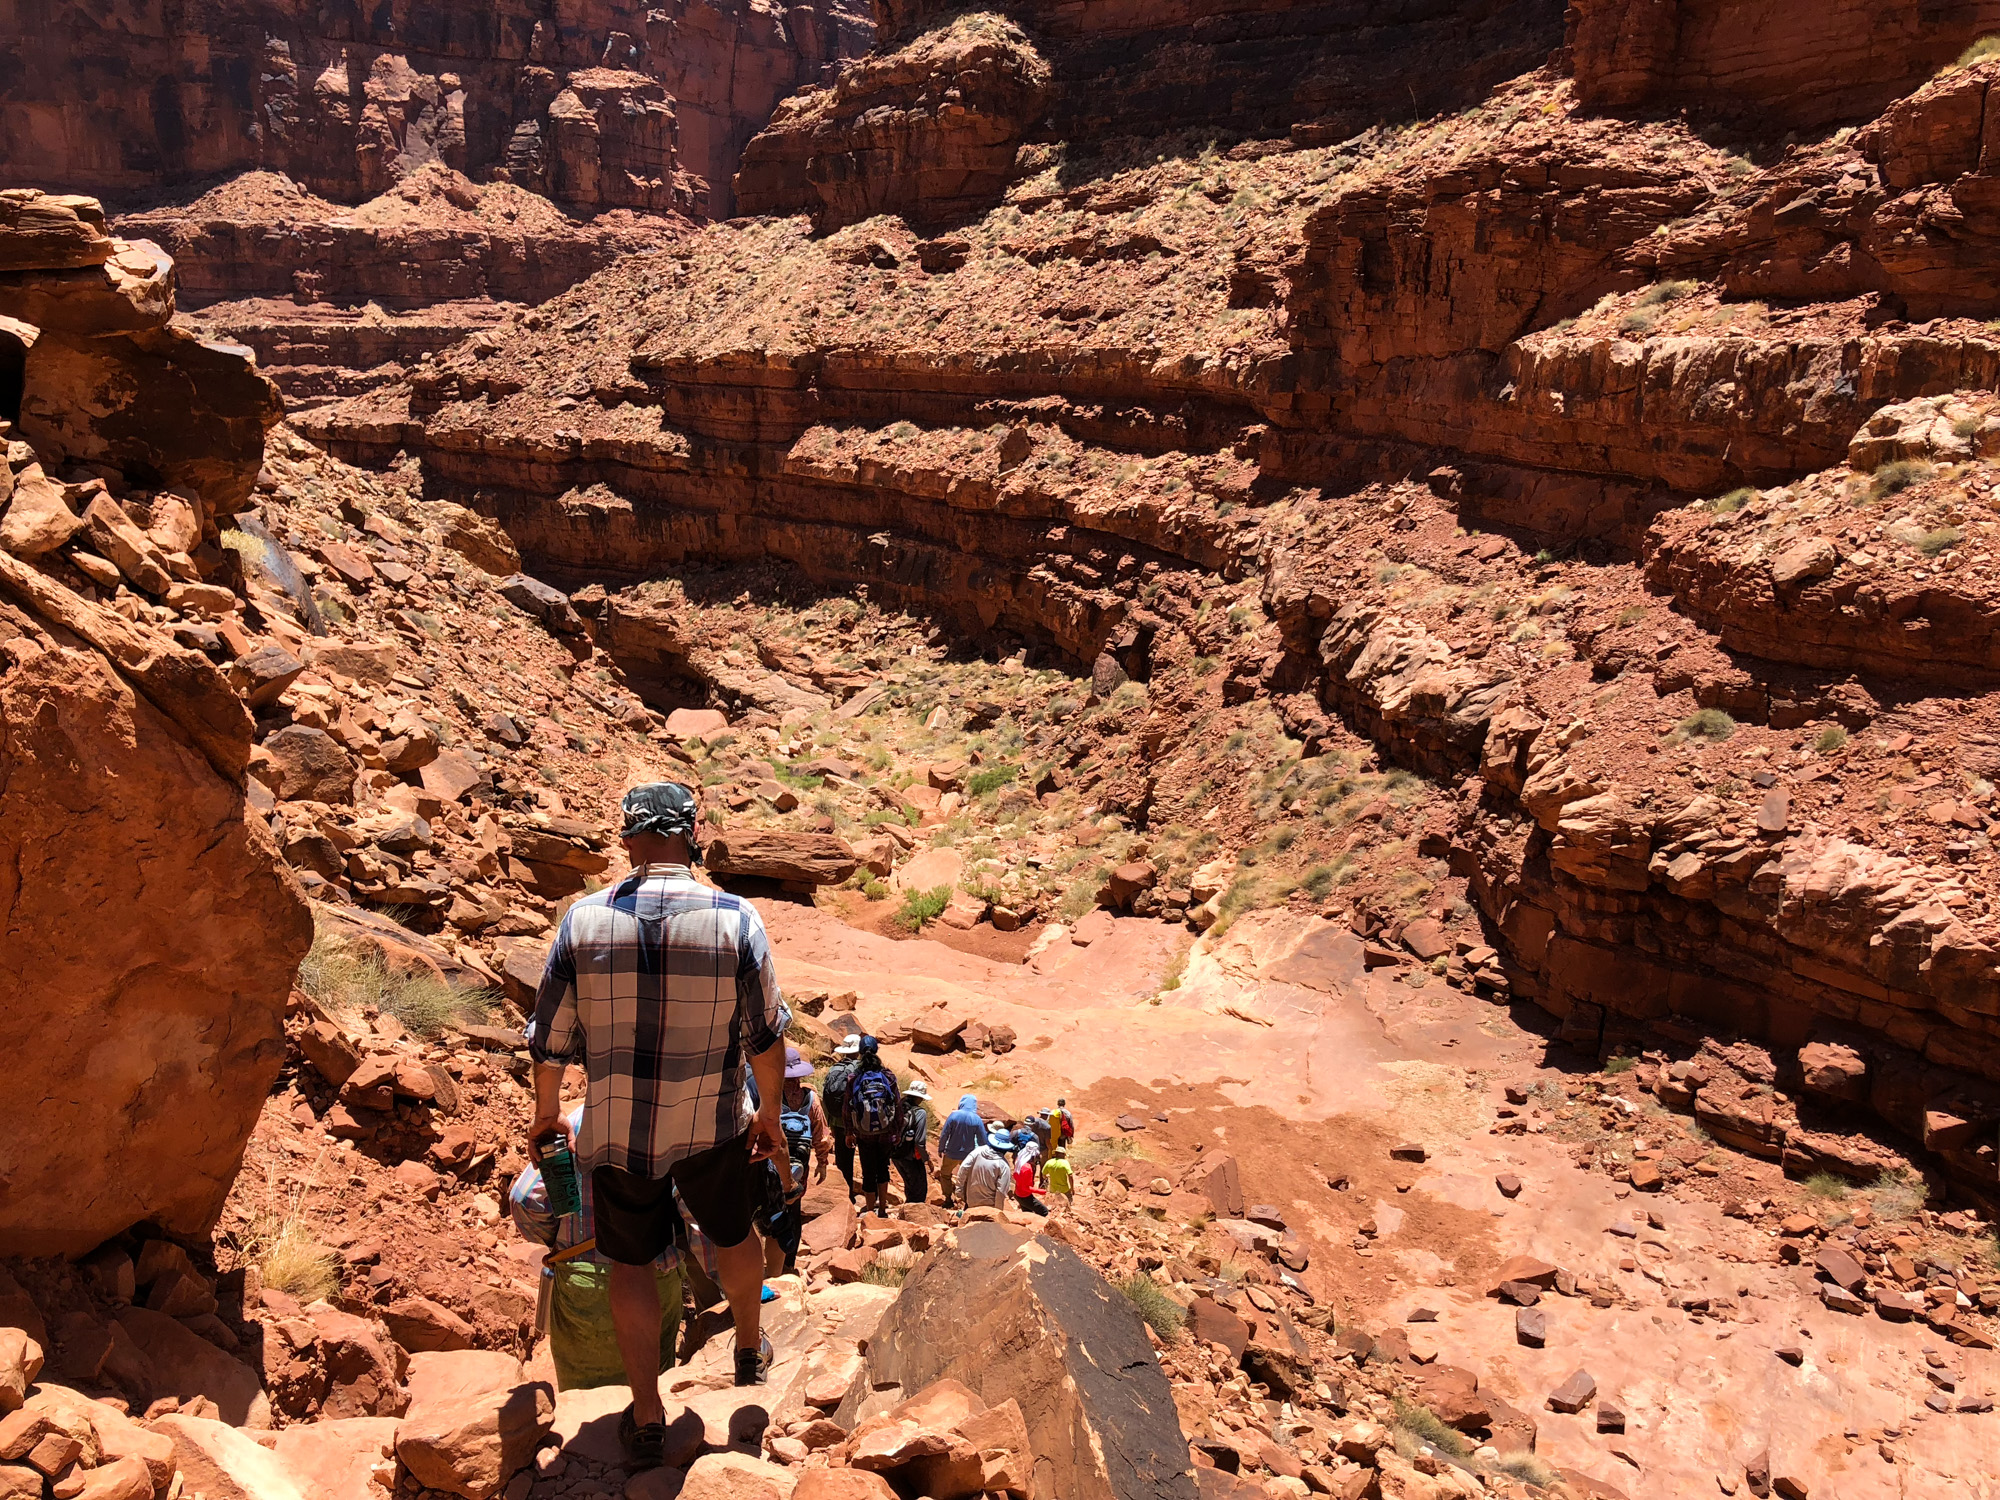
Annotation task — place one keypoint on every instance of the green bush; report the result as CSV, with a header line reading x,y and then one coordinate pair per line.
x,y
920,907
1620,1062
990,779
1706,724
1894,478
1931,543
1166,1316
1830,739
1826,1185
875,890
1735,500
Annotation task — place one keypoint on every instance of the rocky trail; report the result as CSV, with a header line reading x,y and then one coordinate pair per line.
x,y
1399,606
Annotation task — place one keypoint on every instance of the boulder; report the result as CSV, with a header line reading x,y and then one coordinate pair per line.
x,y
309,766
188,413
937,1029
780,854
478,540
1575,1393
39,517
929,870
111,532
549,605
423,1326
184,1365
334,1460
696,723
1014,1317
121,1479
42,231
840,1484
218,1462
262,675
20,1363
1220,1180
364,1367
1126,882
472,1445
737,1476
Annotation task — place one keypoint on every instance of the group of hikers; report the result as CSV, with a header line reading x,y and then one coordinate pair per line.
x,y
683,1174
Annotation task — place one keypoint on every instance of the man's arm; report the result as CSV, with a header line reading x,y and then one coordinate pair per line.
x,y
764,1019
767,1135
554,1034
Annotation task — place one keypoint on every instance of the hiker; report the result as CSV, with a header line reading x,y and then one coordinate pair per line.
x,y
1026,1192
1056,1176
912,1153
875,1120
958,1138
1062,1126
984,1178
574,1305
833,1101
666,989
807,1142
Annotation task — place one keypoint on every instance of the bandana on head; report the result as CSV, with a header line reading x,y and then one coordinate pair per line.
x,y
662,807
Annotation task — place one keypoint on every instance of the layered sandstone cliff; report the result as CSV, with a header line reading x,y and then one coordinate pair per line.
x,y
150,932
598,106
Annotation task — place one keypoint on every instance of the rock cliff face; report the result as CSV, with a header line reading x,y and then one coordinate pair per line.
x,y
575,99
1803,67
160,932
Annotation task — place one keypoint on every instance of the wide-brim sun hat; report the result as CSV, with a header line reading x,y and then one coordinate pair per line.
x,y
849,1048
917,1089
999,1140
796,1064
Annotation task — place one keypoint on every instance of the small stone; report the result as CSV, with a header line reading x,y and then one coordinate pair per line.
x,y
1609,1418
1531,1327
1508,1184
1575,1393
1408,1152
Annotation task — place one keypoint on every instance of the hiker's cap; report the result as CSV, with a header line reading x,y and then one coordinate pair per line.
x,y
917,1089
796,1065
849,1048
999,1140
662,807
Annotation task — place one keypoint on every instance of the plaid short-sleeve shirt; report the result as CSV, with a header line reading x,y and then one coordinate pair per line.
x,y
664,989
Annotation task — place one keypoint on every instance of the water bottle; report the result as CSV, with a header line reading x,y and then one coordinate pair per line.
x,y
558,1166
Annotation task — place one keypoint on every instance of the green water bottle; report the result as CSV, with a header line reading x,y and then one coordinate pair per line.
x,y
558,1166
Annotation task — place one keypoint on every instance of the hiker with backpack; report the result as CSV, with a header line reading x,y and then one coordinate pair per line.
x,y
875,1120
833,1101
958,1138
912,1153
807,1142
1026,1165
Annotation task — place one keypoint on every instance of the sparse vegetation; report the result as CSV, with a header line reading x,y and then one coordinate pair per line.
x,y
1830,739
1710,724
1894,478
989,779
1827,1186
1663,292
1931,543
1979,52
1735,500
1166,1316
1897,1195
1426,1427
347,983
922,907
877,1273
1620,1062
1084,1154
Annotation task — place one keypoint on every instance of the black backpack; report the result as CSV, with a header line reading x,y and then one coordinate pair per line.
x,y
916,1131
874,1105
797,1124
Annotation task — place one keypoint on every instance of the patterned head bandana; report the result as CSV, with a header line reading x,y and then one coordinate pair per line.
x,y
662,807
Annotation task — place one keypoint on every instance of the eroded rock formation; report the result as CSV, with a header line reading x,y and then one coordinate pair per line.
x,y
150,931
575,100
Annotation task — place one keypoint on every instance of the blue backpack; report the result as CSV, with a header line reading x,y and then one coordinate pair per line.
x,y
874,1105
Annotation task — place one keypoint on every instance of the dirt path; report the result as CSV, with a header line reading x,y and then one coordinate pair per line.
x,y
1281,1049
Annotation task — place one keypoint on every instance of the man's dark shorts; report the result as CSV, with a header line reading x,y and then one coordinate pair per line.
x,y
874,1164
636,1216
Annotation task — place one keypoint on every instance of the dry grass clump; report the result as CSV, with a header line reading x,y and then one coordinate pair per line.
x,y
345,983
1166,1316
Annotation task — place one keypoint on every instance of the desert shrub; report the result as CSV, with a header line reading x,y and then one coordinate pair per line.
x,y
345,981
920,907
1423,1424
1735,500
1830,739
1662,292
1825,1185
1894,478
1166,1316
1087,1154
1706,724
1638,320
989,779
1080,895
1525,1467
1979,51
878,1274
1620,1063
874,889
1897,1195
1319,880
294,1263
1931,543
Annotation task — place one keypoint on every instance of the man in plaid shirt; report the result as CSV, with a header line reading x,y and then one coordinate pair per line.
x,y
666,991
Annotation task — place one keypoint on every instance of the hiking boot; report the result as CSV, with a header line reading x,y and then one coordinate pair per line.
x,y
754,1365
